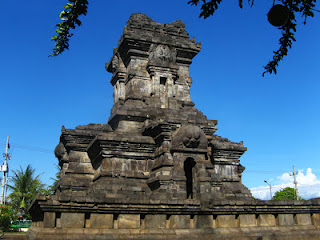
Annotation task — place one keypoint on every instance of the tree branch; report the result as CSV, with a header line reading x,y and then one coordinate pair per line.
x,y
70,18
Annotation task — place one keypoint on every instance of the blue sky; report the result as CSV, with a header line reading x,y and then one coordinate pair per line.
x,y
277,116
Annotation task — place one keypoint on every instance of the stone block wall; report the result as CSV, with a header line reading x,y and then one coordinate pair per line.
x,y
156,226
175,221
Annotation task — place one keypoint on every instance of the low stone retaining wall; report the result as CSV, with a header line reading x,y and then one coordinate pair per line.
x,y
235,220
163,221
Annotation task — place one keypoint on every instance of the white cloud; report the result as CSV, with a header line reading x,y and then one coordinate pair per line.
x,y
261,192
308,185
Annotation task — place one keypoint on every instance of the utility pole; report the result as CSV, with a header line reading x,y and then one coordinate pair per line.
x,y
295,184
4,169
270,188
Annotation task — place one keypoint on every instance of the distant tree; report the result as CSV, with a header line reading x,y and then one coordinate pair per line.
x,y
287,193
56,181
24,188
282,15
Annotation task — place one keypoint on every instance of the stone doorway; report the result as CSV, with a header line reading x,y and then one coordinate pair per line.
x,y
188,165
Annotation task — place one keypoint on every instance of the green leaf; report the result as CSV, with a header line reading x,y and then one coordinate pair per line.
x,y
68,6
78,22
62,13
69,17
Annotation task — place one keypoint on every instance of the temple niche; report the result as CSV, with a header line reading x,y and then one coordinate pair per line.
x,y
157,164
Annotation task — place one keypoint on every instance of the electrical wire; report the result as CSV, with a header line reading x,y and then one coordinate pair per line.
x,y
32,148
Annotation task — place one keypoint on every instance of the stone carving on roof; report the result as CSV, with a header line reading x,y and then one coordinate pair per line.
x,y
162,53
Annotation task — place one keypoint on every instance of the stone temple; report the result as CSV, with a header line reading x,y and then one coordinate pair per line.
x,y
157,170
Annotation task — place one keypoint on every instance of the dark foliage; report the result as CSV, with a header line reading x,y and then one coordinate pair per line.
x,y
305,7
73,10
70,18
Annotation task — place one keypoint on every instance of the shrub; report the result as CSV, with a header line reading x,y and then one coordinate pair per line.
x,y
7,215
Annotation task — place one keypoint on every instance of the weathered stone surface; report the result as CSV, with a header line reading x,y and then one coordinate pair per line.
x,y
179,221
247,220
101,220
58,223
203,221
157,221
128,221
226,221
285,219
316,219
267,220
49,219
72,220
156,169
303,219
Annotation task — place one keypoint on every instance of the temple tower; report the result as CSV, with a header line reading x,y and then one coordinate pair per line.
x,y
156,169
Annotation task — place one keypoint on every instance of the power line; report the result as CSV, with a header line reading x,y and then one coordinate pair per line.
x,y
32,148
261,171
28,147
273,172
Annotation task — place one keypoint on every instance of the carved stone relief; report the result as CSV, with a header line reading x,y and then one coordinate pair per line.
x,y
162,53
61,153
189,136
115,63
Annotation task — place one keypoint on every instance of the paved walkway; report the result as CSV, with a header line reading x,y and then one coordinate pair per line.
x,y
14,236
